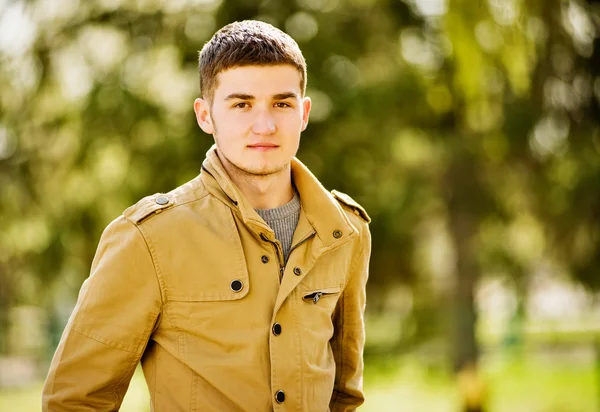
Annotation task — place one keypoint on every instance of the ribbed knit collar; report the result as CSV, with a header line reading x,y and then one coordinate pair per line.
x,y
281,212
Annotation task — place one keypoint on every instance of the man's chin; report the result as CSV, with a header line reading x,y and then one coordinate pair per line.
x,y
257,169
265,170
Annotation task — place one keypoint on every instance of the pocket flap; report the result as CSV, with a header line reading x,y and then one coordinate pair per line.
x,y
216,292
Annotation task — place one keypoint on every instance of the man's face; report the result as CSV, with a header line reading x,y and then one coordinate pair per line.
x,y
256,117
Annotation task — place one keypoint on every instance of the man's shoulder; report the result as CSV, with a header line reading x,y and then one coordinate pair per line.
x,y
155,204
352,205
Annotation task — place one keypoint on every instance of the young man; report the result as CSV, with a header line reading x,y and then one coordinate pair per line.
x,y
243,289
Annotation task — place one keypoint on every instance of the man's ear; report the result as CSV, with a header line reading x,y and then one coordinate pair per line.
x,y
306,105
202,110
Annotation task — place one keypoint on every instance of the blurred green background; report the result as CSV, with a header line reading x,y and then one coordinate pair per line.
x,y
469,129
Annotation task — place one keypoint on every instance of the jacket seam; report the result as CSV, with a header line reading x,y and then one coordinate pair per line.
x,y
300,357
187,201
163,291
343,311
163,209
132,367
144,235
341,345
152,390
86,332
157,272
209,297
181,338
194,389
96,338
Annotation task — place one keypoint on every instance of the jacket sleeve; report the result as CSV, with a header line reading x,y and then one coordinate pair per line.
x,y
116,312
349,336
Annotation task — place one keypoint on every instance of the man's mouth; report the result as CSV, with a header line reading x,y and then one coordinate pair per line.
x,y
263,146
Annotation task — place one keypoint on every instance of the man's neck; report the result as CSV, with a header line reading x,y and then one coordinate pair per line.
x,y
263,192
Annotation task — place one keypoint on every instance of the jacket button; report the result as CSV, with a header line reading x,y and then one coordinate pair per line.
x,y
280,396
276,329
162,200
237,285
264,259
337,234
297,271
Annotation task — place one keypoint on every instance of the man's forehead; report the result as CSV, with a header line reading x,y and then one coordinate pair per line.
x,y
259,81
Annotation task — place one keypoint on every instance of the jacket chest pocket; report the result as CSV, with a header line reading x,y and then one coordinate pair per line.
x,y
206,319
208,302
319,303
210,327
205,305
207,265
316,309
314,296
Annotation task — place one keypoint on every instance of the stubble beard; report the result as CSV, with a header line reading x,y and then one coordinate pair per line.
x,y
244,172
247,173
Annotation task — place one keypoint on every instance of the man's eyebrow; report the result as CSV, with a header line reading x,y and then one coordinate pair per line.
x,y
240,96
278,96
283,96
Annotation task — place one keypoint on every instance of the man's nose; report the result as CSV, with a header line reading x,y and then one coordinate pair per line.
x,y
264,124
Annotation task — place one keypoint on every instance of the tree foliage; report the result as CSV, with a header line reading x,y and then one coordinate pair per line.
x,y
468,129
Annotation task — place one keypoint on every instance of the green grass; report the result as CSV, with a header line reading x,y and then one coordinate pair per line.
x,y
532,384
21,399
543,385
529,384
29,399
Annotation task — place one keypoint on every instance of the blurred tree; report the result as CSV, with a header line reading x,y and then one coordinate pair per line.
x,y
469,130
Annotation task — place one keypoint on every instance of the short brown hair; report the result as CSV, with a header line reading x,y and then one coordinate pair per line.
x,y
247,43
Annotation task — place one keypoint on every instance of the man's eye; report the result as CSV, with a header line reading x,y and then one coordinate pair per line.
x,y
282,104
241,105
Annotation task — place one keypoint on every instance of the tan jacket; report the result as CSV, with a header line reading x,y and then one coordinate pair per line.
x,y
189,283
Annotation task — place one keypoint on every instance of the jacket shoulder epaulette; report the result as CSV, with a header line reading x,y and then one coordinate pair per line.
x,y
352,204
148,207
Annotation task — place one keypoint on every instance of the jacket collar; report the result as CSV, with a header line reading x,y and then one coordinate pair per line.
x,y
319,207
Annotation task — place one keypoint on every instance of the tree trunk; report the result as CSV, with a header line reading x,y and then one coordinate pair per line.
x,y
465,201
465,346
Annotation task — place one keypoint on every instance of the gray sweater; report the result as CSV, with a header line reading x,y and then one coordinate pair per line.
x,y
283,220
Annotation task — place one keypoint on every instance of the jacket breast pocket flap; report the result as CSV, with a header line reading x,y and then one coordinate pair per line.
x,y
217,288
207,278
